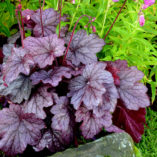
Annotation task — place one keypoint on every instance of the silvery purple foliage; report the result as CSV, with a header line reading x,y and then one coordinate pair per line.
x,y
131,91
7,48
55,98
91,124
20,61
83,47
45,49
53,76
61,121
89,88
42,98
51,140
27,17
18,90
50,19
18,129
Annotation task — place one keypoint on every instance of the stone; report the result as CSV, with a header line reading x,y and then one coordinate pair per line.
x,y
114,145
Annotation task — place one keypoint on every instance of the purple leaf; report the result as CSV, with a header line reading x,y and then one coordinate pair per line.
x,y
0,70
17,90
17,129
134,97
127,80
109,101
83,47
50,20
45,49
27,15
19,62
1,56
110,97
75,70
7,48
89,87
131,121
114,128
92,124
42,98
61,120
50,140
53,76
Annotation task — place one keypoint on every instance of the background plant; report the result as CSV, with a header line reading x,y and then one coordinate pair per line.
x,y
7,14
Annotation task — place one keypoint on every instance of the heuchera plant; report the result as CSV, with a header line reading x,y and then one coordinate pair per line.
x,y
55,88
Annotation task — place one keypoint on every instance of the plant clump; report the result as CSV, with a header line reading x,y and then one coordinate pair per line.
x,y
48,101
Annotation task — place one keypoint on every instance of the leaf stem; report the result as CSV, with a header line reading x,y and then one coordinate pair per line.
x,y
21,32
115,19
73,34
74,15
43,4
58,5
21,18
108,6
42,28
60,12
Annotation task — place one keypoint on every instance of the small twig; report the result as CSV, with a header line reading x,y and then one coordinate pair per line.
x,y
115,19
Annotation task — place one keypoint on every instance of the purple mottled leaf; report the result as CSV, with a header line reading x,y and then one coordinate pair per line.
x,y
50,140
53,76
92,124
18,90
40,99
18,129
110,97
130,90
83,47
13,39
7,48
114,128
134,97
1,56
50,20
75,70
27,17
89,87
45,49
0,70
61,120
109,101
19,62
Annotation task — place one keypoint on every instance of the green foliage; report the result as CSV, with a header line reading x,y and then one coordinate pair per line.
x,y
7,14
137,152
148,144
